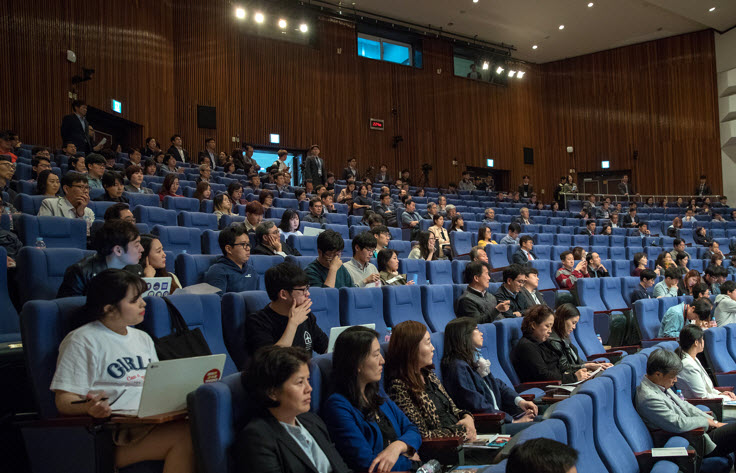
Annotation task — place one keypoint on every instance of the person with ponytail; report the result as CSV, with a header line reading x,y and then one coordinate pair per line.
x,y
89,370
693,380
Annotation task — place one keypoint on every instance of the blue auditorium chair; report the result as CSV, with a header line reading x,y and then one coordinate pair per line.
x,y
200,220
155,216
716,351
497,255
40,272
731,339
438,342
356,229
99,208
589,294
611,294
600,240
235,308
562,239
461,244
362,306
179,239
586,335
325,307
337,218
401,246
543,251
439,272
341,229
261,264
301,261
180,204
617,253
401,303
621,268
305,245
458,270
555,253
210,244
508,333
581,240
647,317
28,204
190,269
414,269
286,203
200,311
57,232
149,200
437,305
9,322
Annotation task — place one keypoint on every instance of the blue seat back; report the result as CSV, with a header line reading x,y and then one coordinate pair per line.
x,y
9,323
99,208
57,232
339,218
628,285
562,239
261,264
236,306
301,261
731,339
191,268
181,204
437,306
458,270
27,204
542,251
356,229
401,246
325,307
508,333
227,220
665,303
461,243
362,306
497,255
342,230
155,216
586,335
490,352
611,294
647,317
617,253
589,293
210,245
305,245
545,277
200,220
412,268
577,414
544,239
148,200
401,303
40,272
716,350
438,342
179,239
439,272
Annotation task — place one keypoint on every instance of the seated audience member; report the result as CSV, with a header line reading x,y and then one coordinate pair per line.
x,y
169,187
412,384
346,195
386,210
85,370
606,229
203,191
525,253
328,204
457,224
570,363
222,206
235,192
383,236
631,219
253,216
69,150
150,168
153,261
169,166
205,173
283,436
442,238
266,199
589,228
388,268
363,199
118,246
478,253
693,380
134,174
614,220
513,281
78,164
48,184
485,236
95,170
701,237
668,286
300,195
119,211
646,280
643,230
290,223
660,408
112,182
476,301
450,211
725,308
254,181
268,241
687,283
135,158
513,236
595,267
681,260
327,270
432,210
73,204
674,318
489,216
711,278
370,431
641,262
426,248
316,212
690,215
529,296
523,218
714,249
231,271
532,358
411,218
664,261
286,321
363,273
604,211
569,273
468,379
673,231
542,455
38,164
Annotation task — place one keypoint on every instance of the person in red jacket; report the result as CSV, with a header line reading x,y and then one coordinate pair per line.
x,y
569,273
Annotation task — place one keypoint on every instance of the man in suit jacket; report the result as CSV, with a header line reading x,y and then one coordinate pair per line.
x,y
529,296
624,187
209,152
631,219
513,281
589,228
387,211
314,167
526,189
382,176
75,128
176,150
351,170
268,242
523,218
524,254
703,188
660,408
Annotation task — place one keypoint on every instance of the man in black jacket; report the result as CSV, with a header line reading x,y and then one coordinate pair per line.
x,y
476,301
177,150
75,128
118,245
595,268
314,167
268,241
524,254
513,281
529,296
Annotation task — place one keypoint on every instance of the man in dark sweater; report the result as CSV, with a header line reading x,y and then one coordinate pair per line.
x,y
286,321
595,268
476,301
646,280
513,281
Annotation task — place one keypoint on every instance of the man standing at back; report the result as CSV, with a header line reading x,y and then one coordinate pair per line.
x,y
75,128
177,149
314,167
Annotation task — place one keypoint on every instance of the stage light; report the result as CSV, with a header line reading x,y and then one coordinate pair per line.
x,y
590,4
520,74
712,9
259,17
485,66
535,46
282,24
240,13
562,27
475,1
303,28
512,73
499,70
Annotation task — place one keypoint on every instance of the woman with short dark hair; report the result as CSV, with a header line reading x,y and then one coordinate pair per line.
x,y
388,268
48,184
532,360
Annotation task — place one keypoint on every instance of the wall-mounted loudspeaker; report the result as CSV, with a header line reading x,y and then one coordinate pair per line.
x,y
206,117
528,155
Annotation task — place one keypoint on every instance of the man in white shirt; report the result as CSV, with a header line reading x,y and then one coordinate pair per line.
x,y
177,150
667,287
73,204
280,163
364,274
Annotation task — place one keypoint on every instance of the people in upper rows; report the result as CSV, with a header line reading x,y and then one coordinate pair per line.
x,y
513,281
85,371
388,268
693,380
231,271
523,218
701,237
442,238
595,266
118,246
268,241
134,173
73,204
286,321
569,273
631,219
48,184
290,223
411,218
725,304
674,318
283,435
457,224
660,408
203,191
476,301
624,187
525,253
542,455
370,431
327,270
469,382
169,187
426,248
253,216
112,182
153,261
703,188
485,236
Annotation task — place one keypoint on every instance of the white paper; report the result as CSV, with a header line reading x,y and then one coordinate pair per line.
x,y
669,452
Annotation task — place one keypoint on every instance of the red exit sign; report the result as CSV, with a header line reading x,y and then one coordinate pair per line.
x,y
376,124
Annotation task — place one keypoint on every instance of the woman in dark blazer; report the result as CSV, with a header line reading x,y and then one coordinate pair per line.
x,y
370,431
279,437
468,379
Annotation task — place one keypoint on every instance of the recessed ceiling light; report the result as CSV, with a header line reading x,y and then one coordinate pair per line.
x,y
499,70
535,46
512,73
303,28
485,66
590,4
562,27
475,1
240,13
712,9
520,74
282,24
259,17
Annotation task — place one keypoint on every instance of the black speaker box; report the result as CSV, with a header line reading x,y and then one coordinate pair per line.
x,y
528,155
206,117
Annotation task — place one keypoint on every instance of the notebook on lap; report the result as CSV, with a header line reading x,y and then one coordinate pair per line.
x,y
336,331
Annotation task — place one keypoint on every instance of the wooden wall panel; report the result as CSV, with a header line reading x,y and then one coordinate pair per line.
x,y
163,58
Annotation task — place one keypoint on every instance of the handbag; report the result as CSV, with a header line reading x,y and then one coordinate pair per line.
x,y
182,342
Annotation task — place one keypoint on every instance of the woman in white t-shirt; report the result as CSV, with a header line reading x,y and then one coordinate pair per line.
x,y
290,223
104,361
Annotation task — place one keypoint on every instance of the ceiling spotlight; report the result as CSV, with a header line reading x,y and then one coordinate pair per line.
x,y
303,28
512,73
485,66
520,74
475,1
240,13
535,46
259,17
562,27
282,24
590,4
712,9
499,70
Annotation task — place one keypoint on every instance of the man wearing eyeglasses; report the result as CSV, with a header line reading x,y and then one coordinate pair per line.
x,y
231,271
74,203
287,320
7,170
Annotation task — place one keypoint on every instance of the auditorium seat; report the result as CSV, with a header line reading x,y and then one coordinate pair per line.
x,y
497,255
617,252
286,203
190,269
438,342
543,251
199,220
325,307
356,229
628,286
28,204
612,295
341,229
586,334
200,311
149,200
461,244
562,239
716,352
731,339
261,264
362,306
180,204
402,247
40,272
210,244
508,333
227,220
155,216
589,294
439,272
546,281
57,232
9,322
179,239
99,208
414,268
235,308
337,218
401,303
458,270
437,305
305,245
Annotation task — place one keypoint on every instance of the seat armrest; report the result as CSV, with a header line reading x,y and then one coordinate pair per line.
x,y
664,339
489,423
527,397
628,348
660,437
646,461
442,442
597,355
714,404
724,388
535,384
445,449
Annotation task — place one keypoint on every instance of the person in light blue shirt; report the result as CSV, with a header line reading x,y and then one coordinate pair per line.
x,y
513,236
675,317
668,287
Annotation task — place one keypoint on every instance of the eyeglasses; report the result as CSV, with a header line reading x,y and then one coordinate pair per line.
x,y
81,186
8,163
245,245
301,289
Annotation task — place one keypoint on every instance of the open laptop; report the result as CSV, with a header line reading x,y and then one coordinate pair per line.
x,y
168,382
159,287
311,231
336,331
